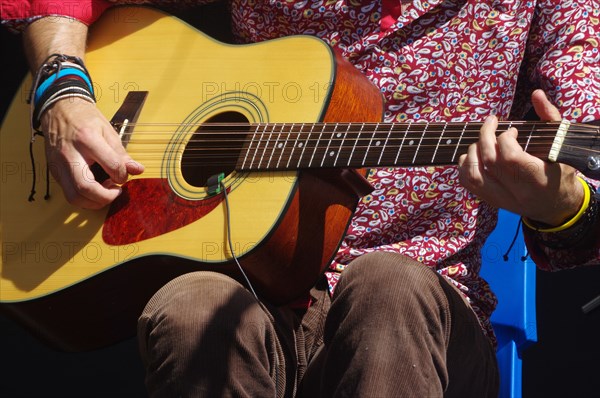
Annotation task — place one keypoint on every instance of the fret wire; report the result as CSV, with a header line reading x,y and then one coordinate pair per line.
x,y
274,145
250,147
402,143
328,144
304,144
459,140
262,156
336,152
379,137
419,144
438,143
354,146
529,138
283,149
387,137
369,144
362,130
252,164
258,146
287,165
312,157
341,144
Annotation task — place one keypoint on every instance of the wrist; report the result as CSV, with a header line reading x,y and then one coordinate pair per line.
x,y
60,77
565,222
576,231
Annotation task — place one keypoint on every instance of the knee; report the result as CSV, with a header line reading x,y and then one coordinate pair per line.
x,y
198,312
200,292
389,281
194,302
386,269
389,287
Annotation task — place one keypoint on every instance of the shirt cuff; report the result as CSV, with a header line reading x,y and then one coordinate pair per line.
x,y
86,11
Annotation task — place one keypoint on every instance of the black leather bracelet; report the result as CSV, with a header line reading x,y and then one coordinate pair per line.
x,y
51,66
64,88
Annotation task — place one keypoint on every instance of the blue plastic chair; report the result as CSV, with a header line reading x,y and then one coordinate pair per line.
x,y
513,281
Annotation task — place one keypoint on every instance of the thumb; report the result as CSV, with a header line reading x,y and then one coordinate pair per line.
x,y
543,107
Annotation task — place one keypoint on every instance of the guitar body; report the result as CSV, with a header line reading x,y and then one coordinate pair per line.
x,y
79,279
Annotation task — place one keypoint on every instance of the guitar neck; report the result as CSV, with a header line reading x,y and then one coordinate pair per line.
x,y
289,146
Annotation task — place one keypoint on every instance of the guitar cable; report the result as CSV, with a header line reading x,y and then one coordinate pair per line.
x,y
249,284
230,243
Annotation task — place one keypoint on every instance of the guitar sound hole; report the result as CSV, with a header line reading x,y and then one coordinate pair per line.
x,y
214,148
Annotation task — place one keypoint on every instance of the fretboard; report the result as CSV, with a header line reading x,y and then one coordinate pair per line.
x,y
288,146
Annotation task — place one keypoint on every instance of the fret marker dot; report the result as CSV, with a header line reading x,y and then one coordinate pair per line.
x,y
299,145
411,142
280,145
338,135
331,153
448,142
378,143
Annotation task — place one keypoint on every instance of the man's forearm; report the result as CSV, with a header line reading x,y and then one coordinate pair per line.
x,y
52,35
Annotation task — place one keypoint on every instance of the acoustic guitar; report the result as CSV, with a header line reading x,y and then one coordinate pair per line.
x,y
280,127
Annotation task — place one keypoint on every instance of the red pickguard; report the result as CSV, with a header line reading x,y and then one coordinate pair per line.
x,y
148,208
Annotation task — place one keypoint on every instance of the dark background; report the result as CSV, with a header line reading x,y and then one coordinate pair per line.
x,y
564,363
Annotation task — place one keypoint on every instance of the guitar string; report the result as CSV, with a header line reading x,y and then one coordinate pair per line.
x,y
208,155
370,127
321,143
386,161
363,135
239,136
441,140
203,153
389,150
361,143
379,126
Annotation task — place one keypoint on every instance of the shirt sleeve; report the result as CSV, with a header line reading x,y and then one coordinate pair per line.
x,y
563,58
549,259
17,14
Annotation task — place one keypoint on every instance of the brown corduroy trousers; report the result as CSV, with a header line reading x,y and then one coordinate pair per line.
x,y
393,329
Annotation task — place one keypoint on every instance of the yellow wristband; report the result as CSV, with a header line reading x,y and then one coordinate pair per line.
x,y
571,221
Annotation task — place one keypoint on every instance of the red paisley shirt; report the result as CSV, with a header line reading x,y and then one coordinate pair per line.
x,y
434,61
